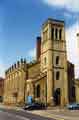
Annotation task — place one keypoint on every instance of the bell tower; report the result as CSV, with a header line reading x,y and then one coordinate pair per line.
x,y
54,59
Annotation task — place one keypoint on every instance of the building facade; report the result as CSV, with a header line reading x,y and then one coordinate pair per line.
x,y
71,82
77,80
77,89
1,89
14,84
46,79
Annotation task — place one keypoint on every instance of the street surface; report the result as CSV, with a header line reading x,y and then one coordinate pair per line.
x,y
59,114
8,114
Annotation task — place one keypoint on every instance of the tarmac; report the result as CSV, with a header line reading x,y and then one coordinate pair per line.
x,y
55,113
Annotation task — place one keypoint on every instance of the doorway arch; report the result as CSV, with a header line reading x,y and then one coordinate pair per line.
x,y
57,96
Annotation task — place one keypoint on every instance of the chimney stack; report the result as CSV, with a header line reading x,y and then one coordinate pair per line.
x,y
78,41
38,48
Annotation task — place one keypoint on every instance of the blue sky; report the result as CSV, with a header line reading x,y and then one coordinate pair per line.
x,y
20,24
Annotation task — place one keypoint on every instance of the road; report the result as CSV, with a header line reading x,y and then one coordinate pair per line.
x,y
8,114
59,114
19,114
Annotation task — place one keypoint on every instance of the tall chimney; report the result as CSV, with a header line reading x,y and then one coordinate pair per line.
x,y
77,66
38,48
78,38
78,43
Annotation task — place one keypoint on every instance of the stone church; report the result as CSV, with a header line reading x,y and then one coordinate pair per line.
x,y
46,79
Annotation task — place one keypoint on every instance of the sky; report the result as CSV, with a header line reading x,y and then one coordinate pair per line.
x,y
21,22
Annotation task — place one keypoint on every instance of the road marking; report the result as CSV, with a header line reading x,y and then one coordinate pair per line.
x,y
17,116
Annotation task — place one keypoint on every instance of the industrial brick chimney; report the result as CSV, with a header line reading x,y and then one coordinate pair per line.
x,y
38,48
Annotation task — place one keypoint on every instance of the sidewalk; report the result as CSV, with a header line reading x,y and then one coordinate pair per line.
x,y
55,113
10,107
48,113
58,114
44,113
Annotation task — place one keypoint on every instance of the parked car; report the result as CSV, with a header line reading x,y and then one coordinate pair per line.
x,y
34,106
73,106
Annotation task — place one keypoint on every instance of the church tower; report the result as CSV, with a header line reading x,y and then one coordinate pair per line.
x,y
54,61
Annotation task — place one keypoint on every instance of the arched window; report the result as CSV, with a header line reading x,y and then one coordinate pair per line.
x,y
52,33
57,75
38,91
45,61
60,34
57,60
56,33
45,35
57,96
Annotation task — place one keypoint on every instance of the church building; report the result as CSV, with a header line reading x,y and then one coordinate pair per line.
x,y
46,79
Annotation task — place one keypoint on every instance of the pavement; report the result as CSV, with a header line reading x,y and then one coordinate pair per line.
x,y
16,113
49,114
59,114
9,116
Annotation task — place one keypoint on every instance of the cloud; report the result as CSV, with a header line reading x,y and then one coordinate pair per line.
x,y
71,5
32,54
72,46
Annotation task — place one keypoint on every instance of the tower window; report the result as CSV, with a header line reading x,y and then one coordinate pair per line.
x,y
60,34
56,33
52,33
38,91
45,34
57,60
57,75
45,60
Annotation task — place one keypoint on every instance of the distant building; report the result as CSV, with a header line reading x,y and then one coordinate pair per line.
x,y
71,82
1,88
77,89
77,80
46,79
